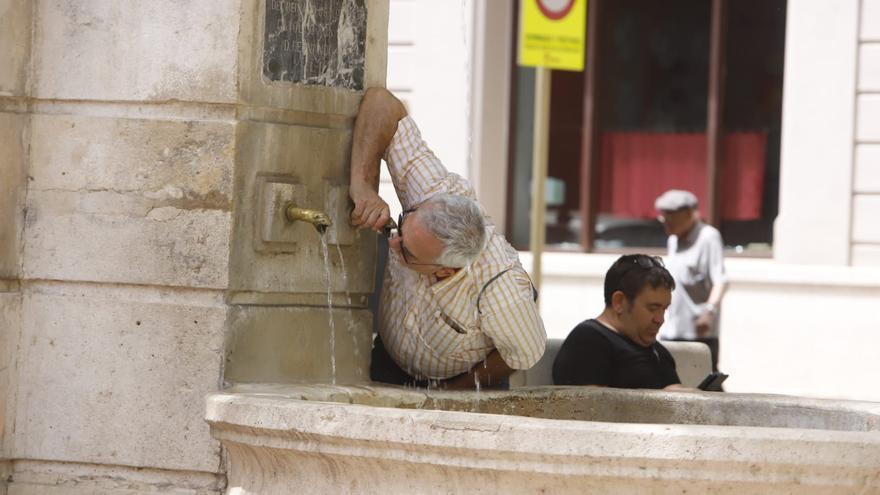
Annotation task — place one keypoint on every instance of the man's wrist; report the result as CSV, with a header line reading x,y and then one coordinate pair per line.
x,y
361,186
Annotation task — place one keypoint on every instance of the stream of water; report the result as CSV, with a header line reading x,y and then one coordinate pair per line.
x,y
326,254
477,391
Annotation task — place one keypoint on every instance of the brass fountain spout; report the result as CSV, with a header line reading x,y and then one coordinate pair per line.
x,y
319,219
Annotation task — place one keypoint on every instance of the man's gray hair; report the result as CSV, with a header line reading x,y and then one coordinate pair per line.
x,y
458,222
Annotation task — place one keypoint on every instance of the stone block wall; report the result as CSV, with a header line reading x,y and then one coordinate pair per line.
x,y
133,139
15,38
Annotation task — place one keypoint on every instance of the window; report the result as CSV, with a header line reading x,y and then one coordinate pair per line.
x,y
680,94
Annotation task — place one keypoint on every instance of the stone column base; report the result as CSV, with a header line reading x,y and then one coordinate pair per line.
x,y
23,477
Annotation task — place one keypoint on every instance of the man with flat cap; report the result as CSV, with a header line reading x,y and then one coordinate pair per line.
x,y
695,259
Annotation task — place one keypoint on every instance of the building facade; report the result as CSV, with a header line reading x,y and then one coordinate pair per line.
x,y
797,193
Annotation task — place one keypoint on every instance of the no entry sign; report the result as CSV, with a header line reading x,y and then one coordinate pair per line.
x,y
552,33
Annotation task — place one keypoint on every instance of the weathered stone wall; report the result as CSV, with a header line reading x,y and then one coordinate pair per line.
x,y
15,38
134,139
298,137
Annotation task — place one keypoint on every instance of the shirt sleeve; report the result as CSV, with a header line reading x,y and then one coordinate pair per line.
x,y
715,251
511,319
416,171
585,358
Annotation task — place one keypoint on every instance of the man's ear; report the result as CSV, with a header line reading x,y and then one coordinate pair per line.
x,y
618,298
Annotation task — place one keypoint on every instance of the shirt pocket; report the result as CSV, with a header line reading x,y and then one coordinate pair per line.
x,y
458,333
461,319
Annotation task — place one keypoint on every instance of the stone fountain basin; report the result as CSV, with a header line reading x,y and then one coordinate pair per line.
x,y
377,439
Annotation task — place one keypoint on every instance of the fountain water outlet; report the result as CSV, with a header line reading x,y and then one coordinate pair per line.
x,y
320,220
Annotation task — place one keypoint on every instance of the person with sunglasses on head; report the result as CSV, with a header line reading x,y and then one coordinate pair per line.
x,y
695,256
619,348
456,306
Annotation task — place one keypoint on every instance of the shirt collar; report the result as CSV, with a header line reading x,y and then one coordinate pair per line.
x,y
448,284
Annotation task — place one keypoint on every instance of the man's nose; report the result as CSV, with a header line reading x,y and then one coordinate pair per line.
x,y
394,242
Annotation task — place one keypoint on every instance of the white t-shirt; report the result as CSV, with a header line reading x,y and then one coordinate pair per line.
x,y
697,264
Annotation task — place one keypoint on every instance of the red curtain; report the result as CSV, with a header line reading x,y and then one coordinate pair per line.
x,y
636,167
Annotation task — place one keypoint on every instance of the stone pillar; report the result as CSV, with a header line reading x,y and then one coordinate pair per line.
x,y
15,40
142,146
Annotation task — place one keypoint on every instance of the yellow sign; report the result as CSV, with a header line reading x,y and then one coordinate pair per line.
x,y
552,33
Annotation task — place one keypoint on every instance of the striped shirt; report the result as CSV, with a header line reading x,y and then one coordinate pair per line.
x,y
419,315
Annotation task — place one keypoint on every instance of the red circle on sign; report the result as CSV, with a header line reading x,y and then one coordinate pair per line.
x,y
555,9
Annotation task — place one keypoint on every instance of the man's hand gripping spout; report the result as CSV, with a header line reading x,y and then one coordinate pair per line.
x,y
370,210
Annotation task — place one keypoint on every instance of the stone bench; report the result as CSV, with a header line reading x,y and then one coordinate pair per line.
x,y
693,362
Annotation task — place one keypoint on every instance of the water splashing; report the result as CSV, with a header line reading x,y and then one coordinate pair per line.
x,y
326,254
476,407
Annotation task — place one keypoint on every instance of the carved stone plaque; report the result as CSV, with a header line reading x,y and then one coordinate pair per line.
x,y
315,42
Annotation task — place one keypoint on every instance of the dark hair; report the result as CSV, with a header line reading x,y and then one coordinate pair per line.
x,y
632,272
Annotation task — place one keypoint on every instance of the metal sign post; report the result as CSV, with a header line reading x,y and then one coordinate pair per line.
x,y
540,142
552,35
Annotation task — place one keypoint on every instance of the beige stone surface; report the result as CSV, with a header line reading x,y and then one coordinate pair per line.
x,y
13,143
15,38
5,473
10,332
292,344
159,159
599,404
151,127
84,237
57,478
127,200
115,375
143,51
314,157
275,442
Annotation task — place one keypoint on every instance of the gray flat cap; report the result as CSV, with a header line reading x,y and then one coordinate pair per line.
x,y
675,199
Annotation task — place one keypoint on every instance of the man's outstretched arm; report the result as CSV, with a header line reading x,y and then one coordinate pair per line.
x,y
374,128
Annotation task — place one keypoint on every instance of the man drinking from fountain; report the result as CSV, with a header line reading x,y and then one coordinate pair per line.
x,y
456,307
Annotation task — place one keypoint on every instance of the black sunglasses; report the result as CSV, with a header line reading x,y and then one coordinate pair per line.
x,y
407,256
643,261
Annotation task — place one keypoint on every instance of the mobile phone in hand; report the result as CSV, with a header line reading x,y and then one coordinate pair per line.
x,y
712,382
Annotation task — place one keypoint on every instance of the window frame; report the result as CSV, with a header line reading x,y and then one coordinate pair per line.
x,y
589,161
